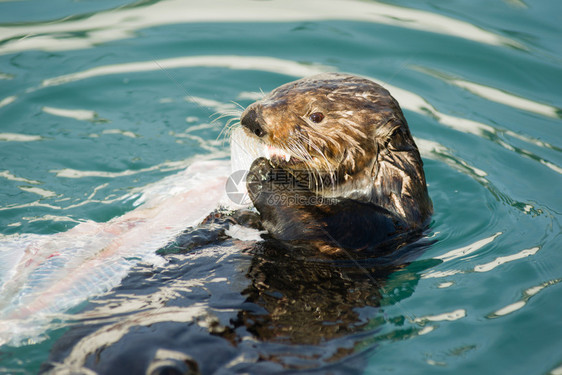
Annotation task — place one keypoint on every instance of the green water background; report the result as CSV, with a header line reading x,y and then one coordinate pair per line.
x,y
492,306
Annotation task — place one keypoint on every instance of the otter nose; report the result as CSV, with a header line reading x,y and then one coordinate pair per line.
x,y
249,119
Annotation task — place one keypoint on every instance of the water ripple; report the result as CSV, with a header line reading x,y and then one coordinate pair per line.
x,y
494,94
77,114
526,296
15,137
261,63
122,23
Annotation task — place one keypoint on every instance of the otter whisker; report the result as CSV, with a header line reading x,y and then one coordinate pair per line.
x,y
326,139
238,105
302,154
353,146
227,130
324,163
220,115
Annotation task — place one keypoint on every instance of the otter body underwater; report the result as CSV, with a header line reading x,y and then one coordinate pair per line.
x,y
341,170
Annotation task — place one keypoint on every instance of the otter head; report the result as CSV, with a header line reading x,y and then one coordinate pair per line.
x,y
350,135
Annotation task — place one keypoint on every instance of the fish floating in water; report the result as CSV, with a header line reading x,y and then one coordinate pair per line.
x,y
42,276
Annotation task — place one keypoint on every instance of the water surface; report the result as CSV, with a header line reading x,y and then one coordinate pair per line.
x,y
98,99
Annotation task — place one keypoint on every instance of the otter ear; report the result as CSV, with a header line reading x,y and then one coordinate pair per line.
x,y
384,133
395,135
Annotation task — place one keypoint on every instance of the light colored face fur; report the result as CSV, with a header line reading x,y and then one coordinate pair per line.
x,y
349,133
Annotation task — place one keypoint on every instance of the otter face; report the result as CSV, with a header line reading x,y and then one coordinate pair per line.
x,y
346,128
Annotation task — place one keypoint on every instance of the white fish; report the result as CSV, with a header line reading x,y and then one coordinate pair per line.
x,y
44,275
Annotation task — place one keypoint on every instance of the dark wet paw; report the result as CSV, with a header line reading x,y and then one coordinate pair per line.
x,y
258,177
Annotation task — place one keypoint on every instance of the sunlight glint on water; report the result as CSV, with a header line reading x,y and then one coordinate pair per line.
x,y
97,107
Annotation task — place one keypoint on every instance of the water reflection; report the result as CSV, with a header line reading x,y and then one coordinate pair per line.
x,y
106,26
306,302
305,313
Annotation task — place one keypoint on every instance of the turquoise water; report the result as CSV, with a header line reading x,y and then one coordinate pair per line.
x,y
99,98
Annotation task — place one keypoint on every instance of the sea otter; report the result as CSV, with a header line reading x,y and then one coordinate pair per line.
x,y
341,169
340,176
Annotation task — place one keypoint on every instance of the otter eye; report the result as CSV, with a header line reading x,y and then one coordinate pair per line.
x,y
316,117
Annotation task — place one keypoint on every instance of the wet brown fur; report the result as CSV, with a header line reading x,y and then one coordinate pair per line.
x,y
361,150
